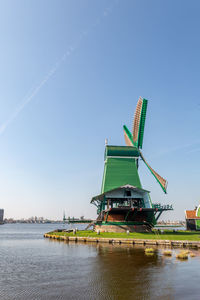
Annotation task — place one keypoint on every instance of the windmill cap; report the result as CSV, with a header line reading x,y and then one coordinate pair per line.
x,y
121,151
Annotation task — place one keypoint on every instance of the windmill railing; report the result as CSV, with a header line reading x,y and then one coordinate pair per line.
x,y
159,206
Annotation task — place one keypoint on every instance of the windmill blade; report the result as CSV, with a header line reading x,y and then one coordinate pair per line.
x,y
139,122
128,136
127,140
160,179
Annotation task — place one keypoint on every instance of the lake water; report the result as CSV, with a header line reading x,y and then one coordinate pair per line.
x,y
32,267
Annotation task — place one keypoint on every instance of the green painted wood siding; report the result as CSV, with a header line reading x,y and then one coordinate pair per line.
x,y
197,223
127,151
198,211
119,171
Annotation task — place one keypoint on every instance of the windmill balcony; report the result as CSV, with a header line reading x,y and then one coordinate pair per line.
x,y
159,207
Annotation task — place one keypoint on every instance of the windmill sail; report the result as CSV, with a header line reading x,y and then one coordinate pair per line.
x,y
128,137
139,122
135,139
160,179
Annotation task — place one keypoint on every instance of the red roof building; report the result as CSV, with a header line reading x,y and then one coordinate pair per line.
x,y
193,219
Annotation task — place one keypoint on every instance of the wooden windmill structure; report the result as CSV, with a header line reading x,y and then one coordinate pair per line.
x,y
123,204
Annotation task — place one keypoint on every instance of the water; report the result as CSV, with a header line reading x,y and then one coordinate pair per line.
x,y
32,267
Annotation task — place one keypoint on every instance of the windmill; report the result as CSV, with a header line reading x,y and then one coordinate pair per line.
x,y
123,203
135,139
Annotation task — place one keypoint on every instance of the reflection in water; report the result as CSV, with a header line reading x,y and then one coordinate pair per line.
x,y
35,268
127,273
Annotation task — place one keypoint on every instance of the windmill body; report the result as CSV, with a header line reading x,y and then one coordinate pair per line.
x,y
123,204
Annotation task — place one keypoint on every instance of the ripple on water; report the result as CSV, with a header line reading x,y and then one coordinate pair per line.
x,y
35,268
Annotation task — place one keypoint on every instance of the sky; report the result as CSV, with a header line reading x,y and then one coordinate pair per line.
x,y
71,73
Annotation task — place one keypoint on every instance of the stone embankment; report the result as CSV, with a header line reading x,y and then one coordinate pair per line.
x,y
131,241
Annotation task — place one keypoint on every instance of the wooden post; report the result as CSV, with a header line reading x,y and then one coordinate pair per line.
x,y
108,203
126,217
106,216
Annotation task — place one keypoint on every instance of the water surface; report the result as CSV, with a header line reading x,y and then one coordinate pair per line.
x,y
32,267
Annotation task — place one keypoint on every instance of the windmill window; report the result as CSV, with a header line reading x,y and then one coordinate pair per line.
x,y
128,193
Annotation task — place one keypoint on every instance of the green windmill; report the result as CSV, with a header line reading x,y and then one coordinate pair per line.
x,y
123,204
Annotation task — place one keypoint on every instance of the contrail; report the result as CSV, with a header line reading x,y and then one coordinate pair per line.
x,y
107,11
177,148
27,100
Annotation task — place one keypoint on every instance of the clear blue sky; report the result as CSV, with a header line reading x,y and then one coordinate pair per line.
x,y
71,74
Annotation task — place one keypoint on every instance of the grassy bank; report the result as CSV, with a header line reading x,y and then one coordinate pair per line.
x,y
166,235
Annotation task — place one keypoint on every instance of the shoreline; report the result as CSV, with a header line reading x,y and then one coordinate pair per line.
x,y
121,240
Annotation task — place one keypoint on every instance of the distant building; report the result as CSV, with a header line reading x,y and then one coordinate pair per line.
x,y
1,216
192,218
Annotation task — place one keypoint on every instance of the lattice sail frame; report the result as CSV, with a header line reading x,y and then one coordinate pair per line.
x,y
128,137
139,122
135,138
163,182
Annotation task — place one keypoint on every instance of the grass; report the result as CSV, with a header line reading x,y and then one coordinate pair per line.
x,y
166,235
149,253
186,251
182,255
192,254
149,250
167,253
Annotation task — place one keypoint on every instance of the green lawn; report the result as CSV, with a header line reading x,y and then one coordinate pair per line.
x,y
167,235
